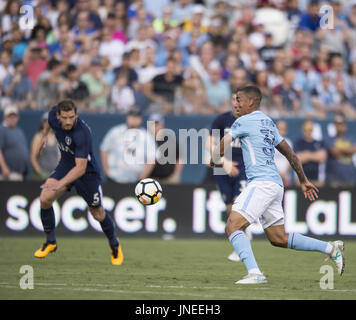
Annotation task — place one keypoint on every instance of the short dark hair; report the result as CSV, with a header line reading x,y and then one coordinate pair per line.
x,y
53,63
66,105
252,92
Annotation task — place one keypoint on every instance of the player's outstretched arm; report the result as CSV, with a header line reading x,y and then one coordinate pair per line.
x,y
219,150
309,190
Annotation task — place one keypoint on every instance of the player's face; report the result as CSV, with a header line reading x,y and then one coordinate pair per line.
x,y
67,119
242,104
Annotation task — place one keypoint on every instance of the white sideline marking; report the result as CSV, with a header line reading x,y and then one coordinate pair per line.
x,y
117,291
76,287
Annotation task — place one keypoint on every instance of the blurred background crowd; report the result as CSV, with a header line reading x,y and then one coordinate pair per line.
x,y
180,56
183,57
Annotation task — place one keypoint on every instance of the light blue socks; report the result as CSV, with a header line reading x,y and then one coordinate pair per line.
x,y
299,242
242,246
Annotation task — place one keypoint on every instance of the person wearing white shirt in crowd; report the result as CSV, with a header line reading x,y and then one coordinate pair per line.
x,y
128,151
111,48
149,70
6,68
122,96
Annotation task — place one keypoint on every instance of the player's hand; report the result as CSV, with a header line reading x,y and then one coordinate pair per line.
x,y
43,143
310,191
213,164
231,168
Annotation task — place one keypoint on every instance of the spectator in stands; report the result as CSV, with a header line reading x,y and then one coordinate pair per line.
x,y
325,98
82,31
50,86
275,74
106,7
10,16
45,162
161,90
261,81
14,161
34,63
111,48
19,44
268,51
217,90
182,10
340,170
195,27
282,163
192,99
75,89
285,97
254,64
168,167
293,13
321,61
310,20
6,68
164,22
122,96
164,50
202,61
344,104
98,89
128,151
335,38
337,68
311,153
141,20
18,89
230,64
129,70
306,80
93,18
238,79
148,70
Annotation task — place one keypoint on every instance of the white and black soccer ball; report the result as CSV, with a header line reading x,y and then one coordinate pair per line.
x,y
148,191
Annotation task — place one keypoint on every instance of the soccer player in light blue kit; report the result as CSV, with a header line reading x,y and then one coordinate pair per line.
x,y
262,198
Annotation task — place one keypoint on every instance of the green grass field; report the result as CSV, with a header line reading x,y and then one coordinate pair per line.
x,y
157,269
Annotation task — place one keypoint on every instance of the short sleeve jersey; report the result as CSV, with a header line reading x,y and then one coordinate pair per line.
x,y
74,143
259,136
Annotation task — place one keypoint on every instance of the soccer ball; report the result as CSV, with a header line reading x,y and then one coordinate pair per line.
x,y
148,191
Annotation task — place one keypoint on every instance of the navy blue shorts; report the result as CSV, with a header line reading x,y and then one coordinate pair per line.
x,y
229,187
88,186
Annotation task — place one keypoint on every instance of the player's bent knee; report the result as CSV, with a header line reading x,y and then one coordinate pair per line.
x,y
235,222
45,201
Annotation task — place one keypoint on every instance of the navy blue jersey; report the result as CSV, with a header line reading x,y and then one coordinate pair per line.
x,y
74,143
223,123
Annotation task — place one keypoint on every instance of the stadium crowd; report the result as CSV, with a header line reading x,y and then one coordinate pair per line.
x,y
180,57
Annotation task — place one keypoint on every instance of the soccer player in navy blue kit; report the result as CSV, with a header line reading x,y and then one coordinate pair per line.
x,y
230,184
77,167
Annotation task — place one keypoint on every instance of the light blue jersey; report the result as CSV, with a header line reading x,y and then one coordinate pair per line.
x,y
258,136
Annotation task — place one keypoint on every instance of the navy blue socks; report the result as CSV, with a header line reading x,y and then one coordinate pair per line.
x,y
108,228
48,222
